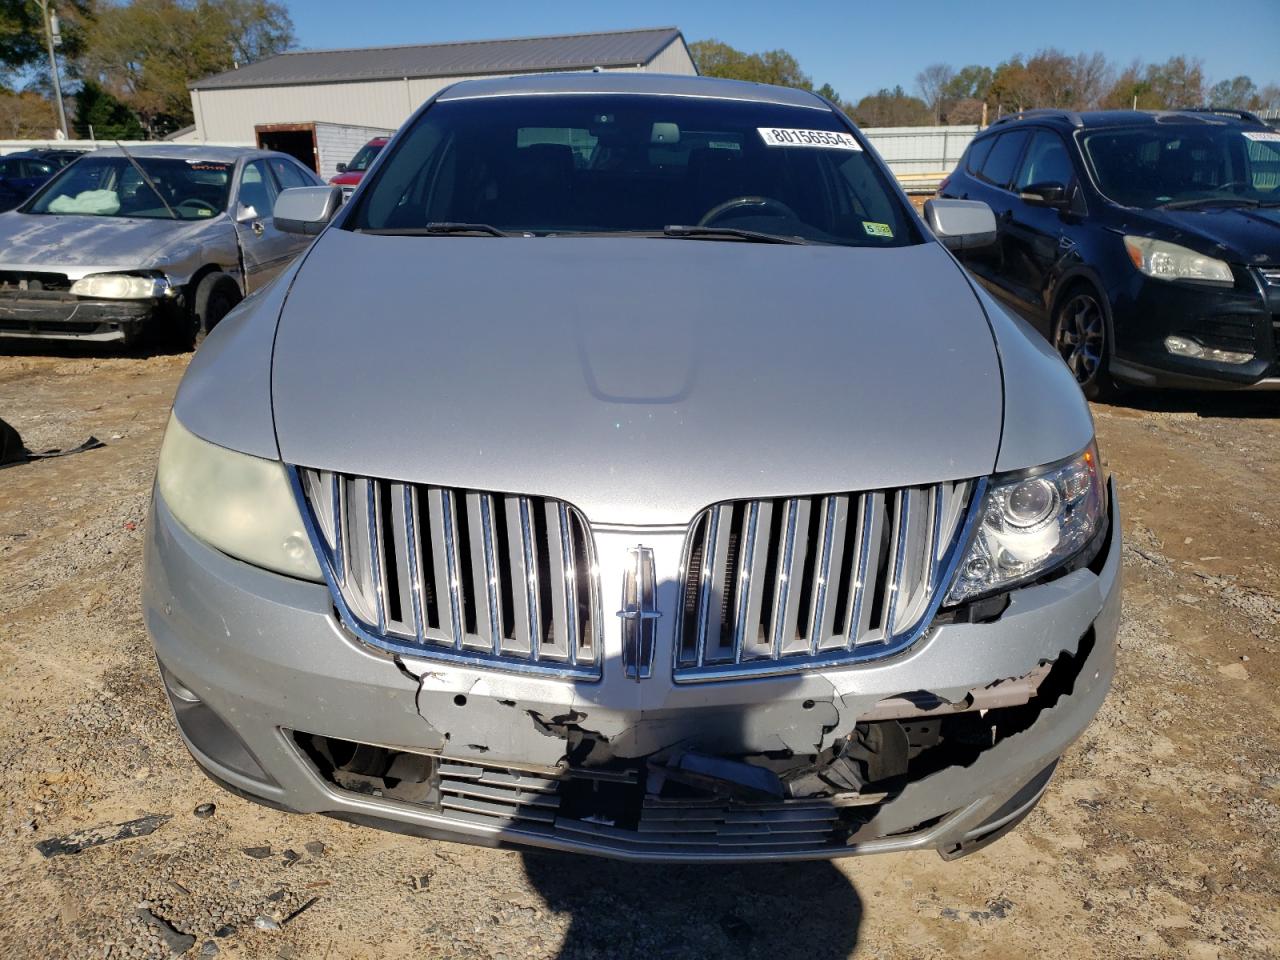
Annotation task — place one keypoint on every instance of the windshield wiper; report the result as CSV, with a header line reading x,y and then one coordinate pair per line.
x,y
733,233
147,180
1208,202
437,228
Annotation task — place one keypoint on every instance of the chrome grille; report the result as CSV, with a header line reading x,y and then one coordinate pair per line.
x,y
772,586
461,574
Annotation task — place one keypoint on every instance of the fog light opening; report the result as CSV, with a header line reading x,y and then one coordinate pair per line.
x,y
1186,347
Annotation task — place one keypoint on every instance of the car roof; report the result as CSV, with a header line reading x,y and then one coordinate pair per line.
x,y
182,151
611,82
1095,119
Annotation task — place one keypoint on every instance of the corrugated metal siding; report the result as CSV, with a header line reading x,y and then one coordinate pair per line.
x,y
919,150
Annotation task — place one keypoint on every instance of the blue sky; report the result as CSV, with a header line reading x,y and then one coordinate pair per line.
x,y
856,45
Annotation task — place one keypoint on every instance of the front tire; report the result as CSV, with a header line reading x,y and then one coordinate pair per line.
x,y
1080,337
215,297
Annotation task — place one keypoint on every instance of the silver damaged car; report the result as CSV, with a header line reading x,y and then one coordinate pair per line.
x,y
627,469
162,239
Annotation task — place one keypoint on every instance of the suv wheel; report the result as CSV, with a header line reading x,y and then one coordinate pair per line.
x,y
1080,337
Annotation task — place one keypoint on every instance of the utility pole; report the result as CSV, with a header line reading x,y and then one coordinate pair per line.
x,y
53,38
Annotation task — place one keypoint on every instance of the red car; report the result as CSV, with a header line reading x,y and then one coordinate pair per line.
x,y
350,174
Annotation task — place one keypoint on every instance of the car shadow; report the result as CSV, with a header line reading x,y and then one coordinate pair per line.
x,y
767,911
1207,404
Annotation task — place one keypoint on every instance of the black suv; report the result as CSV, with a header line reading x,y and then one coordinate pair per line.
x,y
1145,246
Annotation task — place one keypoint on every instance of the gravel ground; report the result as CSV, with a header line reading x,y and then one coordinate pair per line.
x,y
1158,838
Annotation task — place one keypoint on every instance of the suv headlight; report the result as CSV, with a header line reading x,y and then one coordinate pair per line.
x,y
1029,523
1168,261
241,505
120,286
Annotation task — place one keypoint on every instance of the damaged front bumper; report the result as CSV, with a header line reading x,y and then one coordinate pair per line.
x,y
944,746
52,315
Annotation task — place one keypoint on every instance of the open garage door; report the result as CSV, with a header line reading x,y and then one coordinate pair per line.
x,y
298,140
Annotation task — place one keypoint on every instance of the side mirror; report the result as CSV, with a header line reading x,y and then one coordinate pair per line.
x,y
961,224
246,212
1046,195
342,168
306,210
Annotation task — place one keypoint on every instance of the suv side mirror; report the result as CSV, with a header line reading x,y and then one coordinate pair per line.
x,y
961,224
1046,195
342,168
306,210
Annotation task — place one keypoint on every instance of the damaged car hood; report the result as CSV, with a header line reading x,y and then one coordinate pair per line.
x,y
50,240
640,379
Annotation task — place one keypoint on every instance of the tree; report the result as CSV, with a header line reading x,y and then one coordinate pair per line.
x,y
25,115
146,52
1238,93
1268,98
714,58
104,117
891,108
22,41
1178,82
971,82
931,83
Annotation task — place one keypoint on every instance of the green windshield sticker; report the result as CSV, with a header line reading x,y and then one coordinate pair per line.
x,y
877,229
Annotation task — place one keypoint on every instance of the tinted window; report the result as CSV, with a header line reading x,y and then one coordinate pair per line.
x,y
1003,157
977,154
1046,161
257,189
289,174
1155,165
634,164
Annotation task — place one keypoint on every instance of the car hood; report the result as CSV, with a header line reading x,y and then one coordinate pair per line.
x,y
1249,235
349,178
640,379
37,240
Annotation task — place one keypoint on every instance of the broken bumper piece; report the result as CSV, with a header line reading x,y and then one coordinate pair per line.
x,y
946,746
34,315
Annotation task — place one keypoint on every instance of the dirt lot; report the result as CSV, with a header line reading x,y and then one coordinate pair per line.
x,y
1159,836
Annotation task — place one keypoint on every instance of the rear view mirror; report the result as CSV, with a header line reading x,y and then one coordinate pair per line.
x,y
961,224
306,210
1045,195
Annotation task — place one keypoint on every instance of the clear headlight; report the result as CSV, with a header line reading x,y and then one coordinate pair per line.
x,y
120,286
1168,261
1031,523
241,505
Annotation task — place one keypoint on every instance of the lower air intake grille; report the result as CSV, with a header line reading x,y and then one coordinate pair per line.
x,y
459,574
773,586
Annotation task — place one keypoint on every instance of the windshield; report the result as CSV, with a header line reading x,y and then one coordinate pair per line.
x,y
364,156
110,186
1166,164
635,164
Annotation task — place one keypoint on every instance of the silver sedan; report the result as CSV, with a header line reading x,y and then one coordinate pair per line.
x,y
628,469
163,239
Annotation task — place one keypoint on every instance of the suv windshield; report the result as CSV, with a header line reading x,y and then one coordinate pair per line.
x,y
634,164
110,186
364,156
1163,164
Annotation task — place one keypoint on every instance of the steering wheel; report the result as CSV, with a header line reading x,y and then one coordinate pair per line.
x,y
720,209
196,204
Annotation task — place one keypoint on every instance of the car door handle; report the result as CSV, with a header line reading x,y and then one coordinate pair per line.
x,y
257,228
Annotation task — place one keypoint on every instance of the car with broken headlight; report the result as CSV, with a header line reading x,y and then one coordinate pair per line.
x,y
159,239
628,469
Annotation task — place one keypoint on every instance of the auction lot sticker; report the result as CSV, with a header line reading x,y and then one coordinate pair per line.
x,y
1260,135
785,137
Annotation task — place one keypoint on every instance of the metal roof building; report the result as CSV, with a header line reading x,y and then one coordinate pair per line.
x,y
379,87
